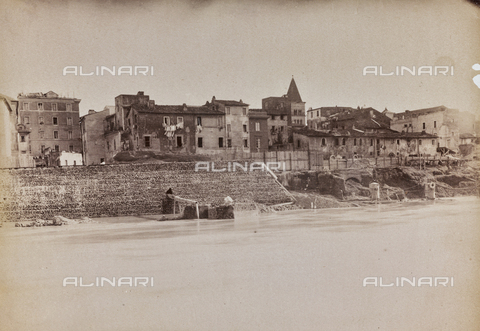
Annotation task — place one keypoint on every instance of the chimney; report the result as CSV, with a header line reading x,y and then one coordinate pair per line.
x,y
91,111
140,93
151,103
184,107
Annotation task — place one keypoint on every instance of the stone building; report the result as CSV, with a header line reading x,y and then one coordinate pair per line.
x,y
50,122
285,112
350,143
258,130
449,124
236,122
93,135
174,128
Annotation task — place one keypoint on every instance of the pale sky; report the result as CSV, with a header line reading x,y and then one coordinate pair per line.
x,y
245,50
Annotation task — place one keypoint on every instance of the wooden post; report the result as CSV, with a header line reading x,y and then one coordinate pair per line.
x,y
198,212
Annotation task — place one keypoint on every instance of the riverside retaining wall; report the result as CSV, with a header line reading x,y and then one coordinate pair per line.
x,y
128,189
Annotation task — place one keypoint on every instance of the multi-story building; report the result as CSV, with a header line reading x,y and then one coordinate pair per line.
x,y
258,130
236,122
93,135
285,112
50,122
448,124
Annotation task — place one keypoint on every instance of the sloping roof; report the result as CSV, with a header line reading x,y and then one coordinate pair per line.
x,y
355,134
293,94
422,111
177,109
231,103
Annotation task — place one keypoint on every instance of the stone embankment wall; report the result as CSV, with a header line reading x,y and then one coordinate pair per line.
x,y
129,189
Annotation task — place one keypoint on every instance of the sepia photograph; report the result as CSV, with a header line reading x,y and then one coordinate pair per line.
x,y
239,165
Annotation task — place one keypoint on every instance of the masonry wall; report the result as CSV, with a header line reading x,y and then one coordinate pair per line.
x,y
112,190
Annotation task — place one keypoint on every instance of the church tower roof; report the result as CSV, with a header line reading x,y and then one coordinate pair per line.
x,y
293,94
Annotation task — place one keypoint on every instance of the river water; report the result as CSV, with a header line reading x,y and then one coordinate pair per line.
x,y
294,270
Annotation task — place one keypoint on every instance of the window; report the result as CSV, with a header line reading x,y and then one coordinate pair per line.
x,y
244,128
57,148
354,141
434,124
179,120
405,125
244,111
41,134
25,106
245,142
424,126
298,143
257,126
227,110
220,142
146,140
378,141
336,142
22,138
166,120
69,107
229,143
361,140
229,127
433,142
398,142
42,148
219,122
259,143
70,134
55,134
273,117
344,141
26,120
102,160
371,142
69,121
318,114
295,112
393,141
70,148
419,141
40,120
40,106
108,145
179,141
54,107
55,121
311,115
282,117
323,142
199,120
115,144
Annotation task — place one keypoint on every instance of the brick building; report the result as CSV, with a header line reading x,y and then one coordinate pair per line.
x,y
50,122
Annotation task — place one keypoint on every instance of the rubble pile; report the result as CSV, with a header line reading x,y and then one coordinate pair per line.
x,y
56,221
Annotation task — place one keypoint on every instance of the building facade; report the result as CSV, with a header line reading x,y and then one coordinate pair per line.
x,y
92,128
258,130
448,124
49,122
346,118
285,113
351,143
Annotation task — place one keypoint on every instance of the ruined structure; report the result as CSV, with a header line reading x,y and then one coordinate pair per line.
x,y
329,118
93,135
